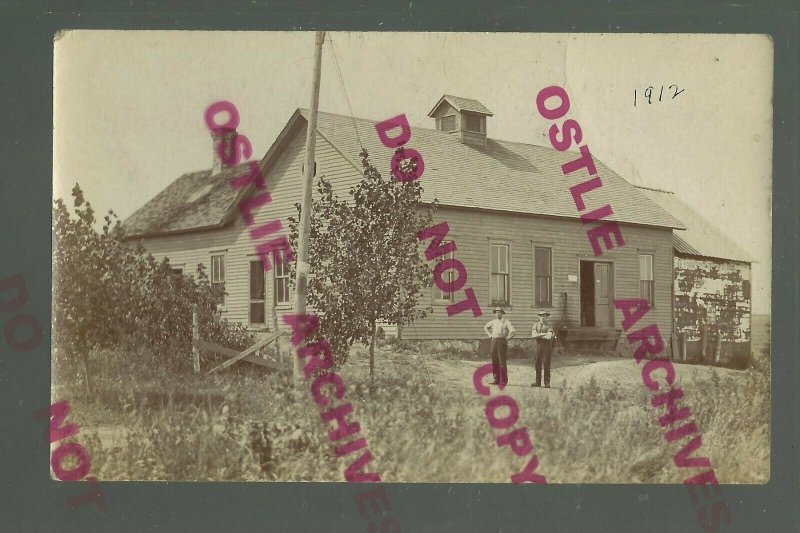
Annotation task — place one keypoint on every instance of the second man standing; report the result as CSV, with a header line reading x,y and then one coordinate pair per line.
x,y
544,336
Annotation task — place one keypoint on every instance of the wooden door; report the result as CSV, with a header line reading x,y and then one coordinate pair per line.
x,y
603,295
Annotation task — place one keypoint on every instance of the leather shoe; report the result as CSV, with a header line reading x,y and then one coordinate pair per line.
x,y
536,385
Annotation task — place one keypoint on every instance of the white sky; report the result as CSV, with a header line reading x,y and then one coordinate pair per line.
x,y
129,106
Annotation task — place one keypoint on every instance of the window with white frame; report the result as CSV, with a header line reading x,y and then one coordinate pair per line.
x,y
646,282
500,281
543,276
280,279
440,296
218,275
258,293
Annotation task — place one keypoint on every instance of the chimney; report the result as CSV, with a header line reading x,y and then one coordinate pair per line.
x,y
463,117
222,137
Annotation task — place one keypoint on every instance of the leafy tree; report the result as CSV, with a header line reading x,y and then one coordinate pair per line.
x,y
365,265
108,293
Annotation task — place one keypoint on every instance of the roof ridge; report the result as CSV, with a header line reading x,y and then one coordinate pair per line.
x,y
462,97
707,225
241,165
698,214
534,147
434,130
169,211
654,189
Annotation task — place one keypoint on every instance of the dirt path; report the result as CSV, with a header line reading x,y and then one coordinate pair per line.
x,y
521,373
570,372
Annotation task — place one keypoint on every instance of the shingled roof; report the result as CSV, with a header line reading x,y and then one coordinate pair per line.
x,y
502,176
462,104
701,238
196,200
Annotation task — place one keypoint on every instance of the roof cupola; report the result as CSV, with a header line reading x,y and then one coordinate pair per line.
x,y
463,117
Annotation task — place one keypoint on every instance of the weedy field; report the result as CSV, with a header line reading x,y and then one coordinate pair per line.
x,y
423,420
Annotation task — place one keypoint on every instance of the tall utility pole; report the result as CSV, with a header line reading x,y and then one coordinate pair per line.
x,y
301,272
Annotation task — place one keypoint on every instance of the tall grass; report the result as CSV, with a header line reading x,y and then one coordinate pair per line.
x,y
586,435
249,425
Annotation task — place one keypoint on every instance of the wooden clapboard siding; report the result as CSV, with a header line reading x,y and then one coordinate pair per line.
x,y
191,249
473,138
284,183
473,231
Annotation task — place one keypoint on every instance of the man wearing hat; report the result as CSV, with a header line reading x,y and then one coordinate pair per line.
x,y
544,336
500,331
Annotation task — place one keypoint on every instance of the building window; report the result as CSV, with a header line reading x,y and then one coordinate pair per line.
x,y
258,293
472,123
218,276
280,279
499,285
448,276
177,270
449,123
646,283
543,276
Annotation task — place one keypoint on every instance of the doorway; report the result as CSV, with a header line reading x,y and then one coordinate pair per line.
x,y
597,294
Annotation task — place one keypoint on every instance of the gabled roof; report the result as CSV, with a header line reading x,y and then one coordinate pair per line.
x,y
462,104
701,238
196,200
502,176
179,208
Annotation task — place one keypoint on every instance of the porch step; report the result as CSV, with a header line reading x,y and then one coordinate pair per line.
x,y
591,335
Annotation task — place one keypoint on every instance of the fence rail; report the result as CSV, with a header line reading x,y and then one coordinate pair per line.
x,y
233,356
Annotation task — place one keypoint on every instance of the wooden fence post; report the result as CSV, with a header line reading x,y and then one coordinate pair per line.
x,y
195,336
673,346
683,346
704,334
275,330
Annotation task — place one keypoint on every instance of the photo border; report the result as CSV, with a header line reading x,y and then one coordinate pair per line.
x,y
32,501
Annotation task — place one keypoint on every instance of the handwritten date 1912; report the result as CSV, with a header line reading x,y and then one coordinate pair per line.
x,y
648,93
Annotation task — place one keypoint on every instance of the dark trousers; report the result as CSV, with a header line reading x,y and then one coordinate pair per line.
x,y
543,354
499,368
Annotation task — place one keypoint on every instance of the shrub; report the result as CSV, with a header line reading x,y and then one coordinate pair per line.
x,y
107,293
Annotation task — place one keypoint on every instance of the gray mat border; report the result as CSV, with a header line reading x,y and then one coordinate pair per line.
x,y
32,502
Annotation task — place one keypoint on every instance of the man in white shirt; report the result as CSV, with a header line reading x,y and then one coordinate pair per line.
x,y
500,331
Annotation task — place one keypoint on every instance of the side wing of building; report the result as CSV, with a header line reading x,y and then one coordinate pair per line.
x,y
251,291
